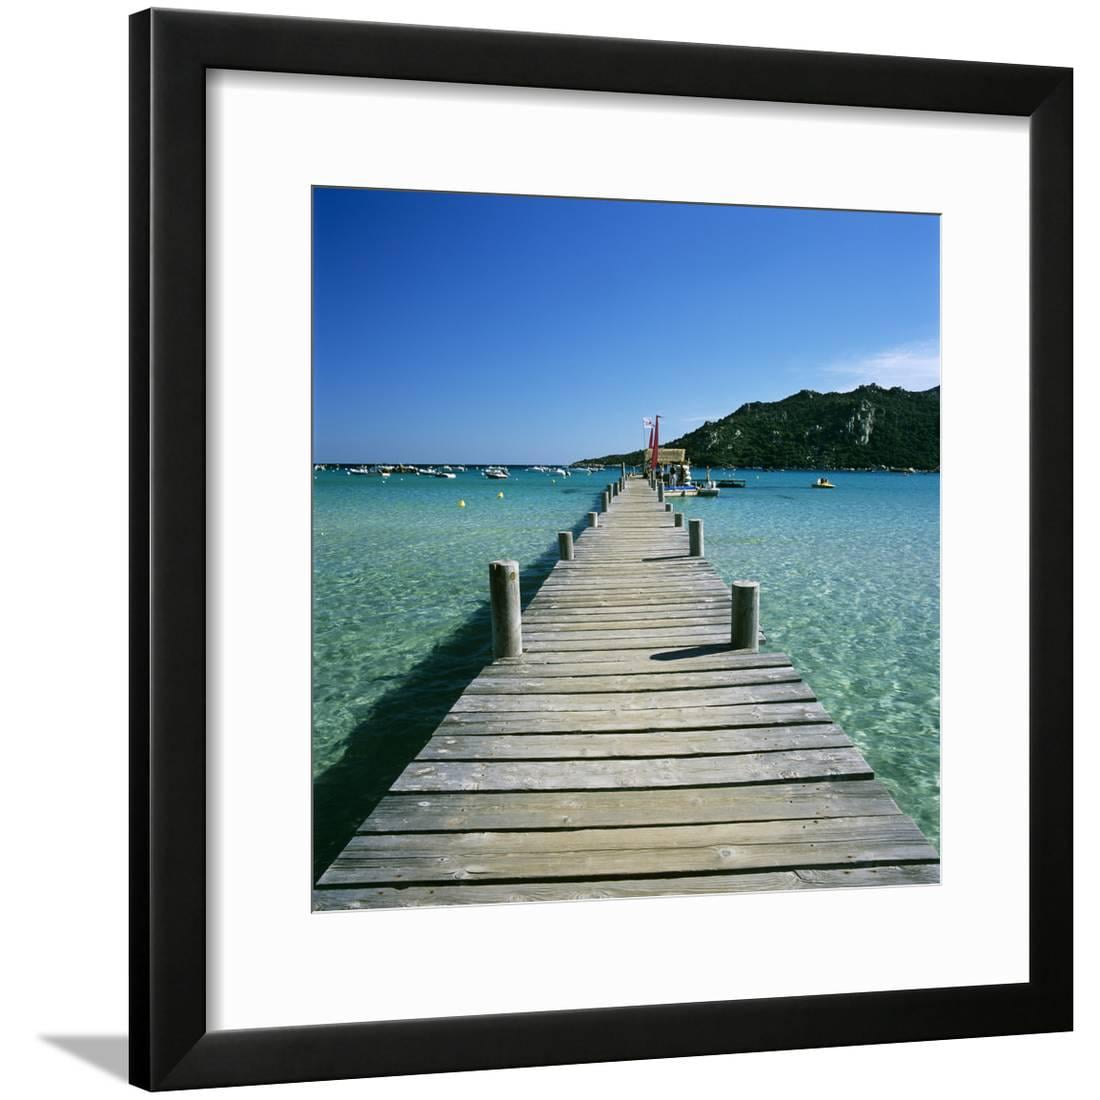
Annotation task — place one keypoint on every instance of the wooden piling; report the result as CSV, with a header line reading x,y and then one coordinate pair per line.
x,y
668,506
660,492
745,615
565,545
695,538
677,519
593,519
504,608
605,500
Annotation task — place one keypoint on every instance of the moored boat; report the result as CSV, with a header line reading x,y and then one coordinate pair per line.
x,y
709,488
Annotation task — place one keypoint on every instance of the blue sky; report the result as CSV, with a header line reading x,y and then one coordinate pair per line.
x,y
496,328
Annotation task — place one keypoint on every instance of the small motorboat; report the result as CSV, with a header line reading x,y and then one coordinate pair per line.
x,y
445,473
823,483
497,473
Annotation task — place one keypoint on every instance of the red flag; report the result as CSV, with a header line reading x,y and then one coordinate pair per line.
x,y
654,444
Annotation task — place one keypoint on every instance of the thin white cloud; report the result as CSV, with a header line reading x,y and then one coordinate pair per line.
x,y
914,366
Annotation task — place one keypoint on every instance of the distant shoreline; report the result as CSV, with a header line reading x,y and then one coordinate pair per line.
x,y
478,466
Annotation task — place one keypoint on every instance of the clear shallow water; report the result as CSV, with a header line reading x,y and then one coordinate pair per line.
x,y
849,588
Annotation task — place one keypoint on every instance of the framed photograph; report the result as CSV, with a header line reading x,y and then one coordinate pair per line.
x,y
541,568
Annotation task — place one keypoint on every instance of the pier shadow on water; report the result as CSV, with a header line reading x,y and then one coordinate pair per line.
x,y
381,746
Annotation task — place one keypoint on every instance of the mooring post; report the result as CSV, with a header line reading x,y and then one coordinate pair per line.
x,y
677,519
614,487
504,608
565,545
695,538
745,615
605,500
668,506
593,519
622,467
660,492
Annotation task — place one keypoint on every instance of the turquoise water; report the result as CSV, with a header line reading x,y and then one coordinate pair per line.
x,y
849,588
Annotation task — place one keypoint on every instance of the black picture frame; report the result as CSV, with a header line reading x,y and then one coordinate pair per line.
x,y
170,1046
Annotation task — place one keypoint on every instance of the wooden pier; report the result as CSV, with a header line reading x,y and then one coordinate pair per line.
x,y
629,751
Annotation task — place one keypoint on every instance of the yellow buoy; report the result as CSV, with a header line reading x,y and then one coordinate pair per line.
x,y
499,495
462,504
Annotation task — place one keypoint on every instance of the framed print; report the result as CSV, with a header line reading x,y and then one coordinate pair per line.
x,y
395,293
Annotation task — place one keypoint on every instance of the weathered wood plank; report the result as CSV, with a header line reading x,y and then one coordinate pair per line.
x,y
609,618
635,663
466,893
551,608
683,656
587,721
641,573
550,625
637,681
674,849
533,746
488,811
607,604
608,589
620,575
579,775
549,703
625,639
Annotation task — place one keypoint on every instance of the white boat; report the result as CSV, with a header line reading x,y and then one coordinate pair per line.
x,y
709,488
560,471
445,473
497,473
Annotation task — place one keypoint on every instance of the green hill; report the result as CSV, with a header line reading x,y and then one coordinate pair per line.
x,y
865,428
